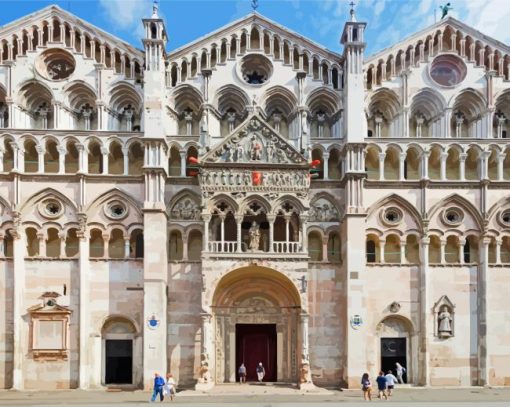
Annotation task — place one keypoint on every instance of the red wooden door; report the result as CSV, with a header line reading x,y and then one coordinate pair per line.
x,y
256,343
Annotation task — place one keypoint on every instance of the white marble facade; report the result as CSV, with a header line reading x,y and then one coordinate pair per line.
x,y
153,202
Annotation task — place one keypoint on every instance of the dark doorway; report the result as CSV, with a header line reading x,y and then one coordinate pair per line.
x,y
119,361
256,343
393,350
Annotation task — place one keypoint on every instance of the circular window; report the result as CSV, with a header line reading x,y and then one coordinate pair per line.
x,y
51,208
55,64
448,70
392,216
505,217
453,216
116,210
255,69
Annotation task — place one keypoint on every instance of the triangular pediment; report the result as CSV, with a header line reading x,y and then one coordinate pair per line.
x,y
245,24
46,16
430,31
254,142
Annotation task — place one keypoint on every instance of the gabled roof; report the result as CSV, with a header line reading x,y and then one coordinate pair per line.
x,y
25,22
254,143
430,30
264,22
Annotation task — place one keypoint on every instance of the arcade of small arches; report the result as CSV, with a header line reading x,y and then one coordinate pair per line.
x,y
278,106
70,155
56,31
446,40
441,162
429,115
259,40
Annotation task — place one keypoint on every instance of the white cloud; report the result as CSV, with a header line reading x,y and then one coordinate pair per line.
x,y
126,14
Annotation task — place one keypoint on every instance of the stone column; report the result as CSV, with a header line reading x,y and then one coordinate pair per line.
x,y
462,164
127,247
382,156
499,242
239,222
305,380
425,164
40,159
443,156
401,163
325,165
462,242
61,159
484,314
442,247
206,218
271,219
325,248
304,225
106,242
501,159
18,310
222,231
425,317
104,152
403,252
205,381
382,244
84,342
182,153
125,152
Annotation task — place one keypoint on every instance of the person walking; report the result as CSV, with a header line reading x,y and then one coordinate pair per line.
x,y
381,385
400,372
169,388
159,382
261,372
242,373
390,382
366,386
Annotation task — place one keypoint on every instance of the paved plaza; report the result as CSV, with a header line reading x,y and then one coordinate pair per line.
x,y
263,396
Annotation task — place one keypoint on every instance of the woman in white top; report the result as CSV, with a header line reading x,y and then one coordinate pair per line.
x,y
390,382
170,386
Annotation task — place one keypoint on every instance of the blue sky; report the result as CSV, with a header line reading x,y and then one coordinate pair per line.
x,y
321,20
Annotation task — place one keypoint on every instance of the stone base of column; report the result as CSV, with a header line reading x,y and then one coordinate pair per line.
x,y
307,386
204,387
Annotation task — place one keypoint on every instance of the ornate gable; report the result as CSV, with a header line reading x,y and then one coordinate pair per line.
x,y
255,143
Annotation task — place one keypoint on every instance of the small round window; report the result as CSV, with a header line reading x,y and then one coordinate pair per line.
x,y
448,70
453,216
116,210
255,69
51,208
392,216
505,217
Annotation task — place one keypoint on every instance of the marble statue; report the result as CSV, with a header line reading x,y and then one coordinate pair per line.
x,y
445,323
256,149
254,233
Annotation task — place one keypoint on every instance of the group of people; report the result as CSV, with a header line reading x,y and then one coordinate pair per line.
x,y
385,383
261,372
163,387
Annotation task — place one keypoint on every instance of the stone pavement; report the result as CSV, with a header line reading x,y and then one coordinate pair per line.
x,y
266,396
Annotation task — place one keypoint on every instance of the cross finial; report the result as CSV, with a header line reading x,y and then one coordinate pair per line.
x,y
254,4
352,12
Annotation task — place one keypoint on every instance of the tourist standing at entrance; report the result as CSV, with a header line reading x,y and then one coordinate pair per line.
x,y
260,372
169,387
390,382
366,386
381,385
400,372
159,382
242,373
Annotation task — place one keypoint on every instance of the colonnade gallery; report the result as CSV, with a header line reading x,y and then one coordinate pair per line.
x,y
252,197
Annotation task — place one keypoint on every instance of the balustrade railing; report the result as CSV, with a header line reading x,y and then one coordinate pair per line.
x,y
278,248
223,247
287,247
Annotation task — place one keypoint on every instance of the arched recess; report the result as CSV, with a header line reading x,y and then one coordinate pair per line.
x,y
81,99
255,296
187,103
36,99
126,103
279,104
121,352
427,106
467,111
396,341
232,102
383,108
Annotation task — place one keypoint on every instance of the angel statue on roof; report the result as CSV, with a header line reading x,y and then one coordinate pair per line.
x,y
445,9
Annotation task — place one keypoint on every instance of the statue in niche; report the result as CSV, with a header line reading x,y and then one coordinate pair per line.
x,y
230,154
254,233
239,153
280,155
270,151
445,323
255,149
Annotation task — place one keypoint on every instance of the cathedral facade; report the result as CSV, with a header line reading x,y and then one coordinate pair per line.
x,y
252,197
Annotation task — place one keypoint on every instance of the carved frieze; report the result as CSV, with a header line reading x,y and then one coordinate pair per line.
x,y
322,210
185,208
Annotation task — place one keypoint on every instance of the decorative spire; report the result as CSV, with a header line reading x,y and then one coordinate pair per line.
x,y
352,12
254,4
155,9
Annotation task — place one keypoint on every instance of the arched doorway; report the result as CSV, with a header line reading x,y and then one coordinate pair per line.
x,y
256,312
121,350
396,344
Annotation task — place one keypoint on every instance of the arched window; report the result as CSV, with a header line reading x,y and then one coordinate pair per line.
x,y
135,159
116,244
32,242
96,244
315,246
52,243
72,243
392,249
194,245
175,249
136,244
371,251
334,248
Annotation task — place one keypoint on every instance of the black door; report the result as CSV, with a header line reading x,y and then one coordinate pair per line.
x,y
256,343
393,350
119,362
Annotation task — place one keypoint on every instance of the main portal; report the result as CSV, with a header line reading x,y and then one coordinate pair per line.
x,y
256,343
